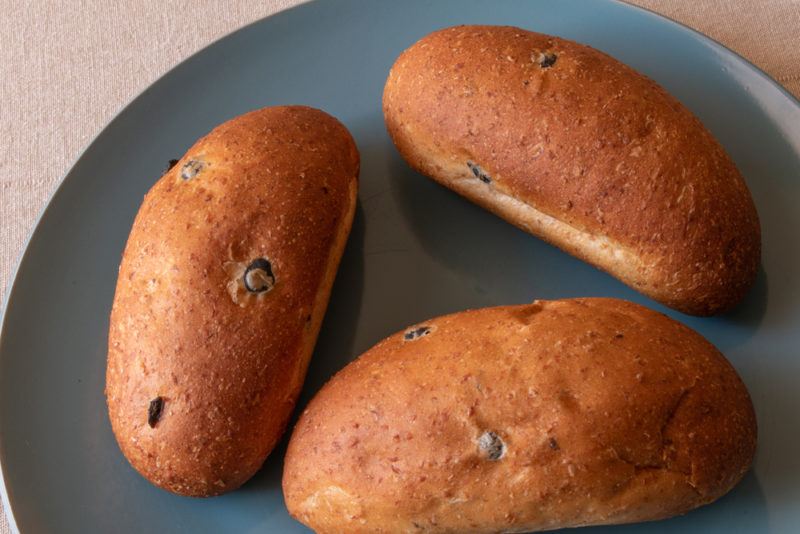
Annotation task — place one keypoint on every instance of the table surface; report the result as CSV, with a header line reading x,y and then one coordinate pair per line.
x,y
67,71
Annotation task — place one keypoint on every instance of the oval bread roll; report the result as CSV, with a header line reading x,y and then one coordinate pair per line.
x,y
221,292
579,149
522,418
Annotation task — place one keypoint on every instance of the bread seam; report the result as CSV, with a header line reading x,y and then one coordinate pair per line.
x,y
598,249
599,243
322,297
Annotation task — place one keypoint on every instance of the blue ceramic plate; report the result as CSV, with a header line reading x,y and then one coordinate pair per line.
x,y
416,251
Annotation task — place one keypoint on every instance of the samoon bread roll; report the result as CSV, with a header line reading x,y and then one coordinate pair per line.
x,y
582,151
221,292
521,418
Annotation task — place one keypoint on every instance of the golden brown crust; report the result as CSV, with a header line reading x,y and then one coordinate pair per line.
x,y
278,183
638,186
602,412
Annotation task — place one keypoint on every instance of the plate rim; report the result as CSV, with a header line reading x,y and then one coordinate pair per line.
x,y
11,286
762,74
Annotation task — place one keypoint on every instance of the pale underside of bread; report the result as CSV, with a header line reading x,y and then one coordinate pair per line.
x,y
321,300
597,249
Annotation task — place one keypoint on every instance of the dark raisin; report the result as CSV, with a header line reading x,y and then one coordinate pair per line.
x,y
191,169
416,333
479,173
491,444
171,164
154,411
258,276
619,335
553,444
546,60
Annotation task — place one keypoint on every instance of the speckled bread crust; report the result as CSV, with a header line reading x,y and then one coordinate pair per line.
x,y
277,184
522,418
579,149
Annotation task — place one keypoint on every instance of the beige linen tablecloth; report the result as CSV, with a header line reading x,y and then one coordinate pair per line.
x,y
67,67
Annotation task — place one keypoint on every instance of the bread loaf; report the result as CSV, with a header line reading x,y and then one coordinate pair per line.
x,y
522,418
221,292
579,149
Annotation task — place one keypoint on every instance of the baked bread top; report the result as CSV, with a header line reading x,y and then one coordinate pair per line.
x,y
581,137
547,415
272,191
